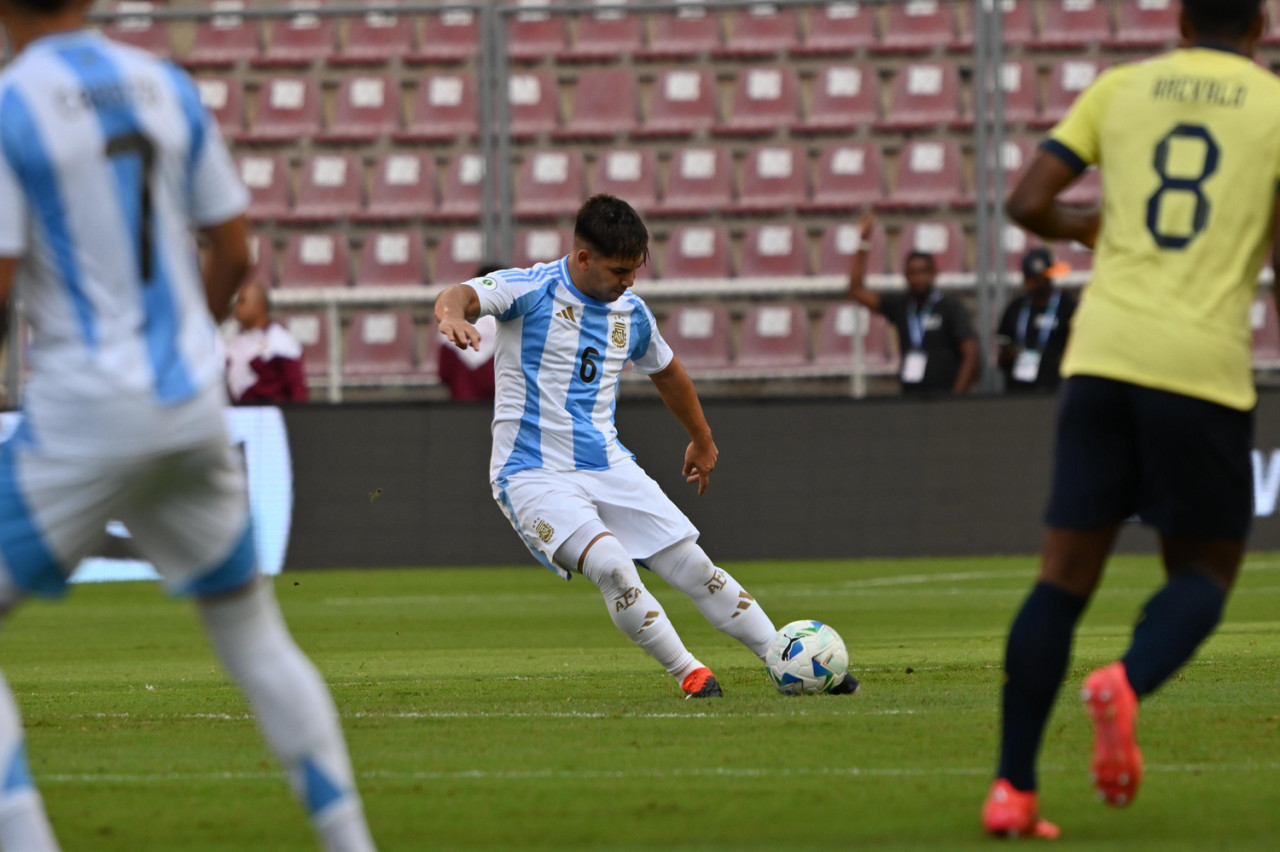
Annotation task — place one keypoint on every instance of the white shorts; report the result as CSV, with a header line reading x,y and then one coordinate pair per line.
x,y
186,510
546,507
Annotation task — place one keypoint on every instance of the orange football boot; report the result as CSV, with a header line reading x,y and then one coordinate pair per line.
x,y
1117,762
1010,812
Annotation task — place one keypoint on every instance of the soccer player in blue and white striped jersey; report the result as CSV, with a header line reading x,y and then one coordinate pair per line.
x,y
108,162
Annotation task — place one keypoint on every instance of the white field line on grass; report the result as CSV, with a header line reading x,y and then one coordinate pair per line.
x,y
495,714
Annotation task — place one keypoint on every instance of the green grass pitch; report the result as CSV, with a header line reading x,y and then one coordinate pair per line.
x,y
499,708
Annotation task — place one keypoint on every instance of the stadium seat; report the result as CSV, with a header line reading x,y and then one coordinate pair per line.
x,y
630,173
312,332
1015,155
699,335
1018,26
550,184
300,40
267,179
845,99
541,245
684,34
774,251
697,251
460,198
367,109
605,105
449,37
314,260
379,343
850,177
924,95
458,255
330,187
943,240
834,349
1067,79
1073,24
774,180
535,33
428,343
839,242
534,104
606,34
838,29
929,175
1272,36
1085,192
444,108
403,188
760,31
699,182
1016,242
917,26
375,38
1145,25
133,26
684,103
1018,80
263,255
288,110
1266,333
764,101
224,98
392,259
774,336
224,39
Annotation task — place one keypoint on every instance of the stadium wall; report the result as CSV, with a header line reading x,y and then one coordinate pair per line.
x,y
382,486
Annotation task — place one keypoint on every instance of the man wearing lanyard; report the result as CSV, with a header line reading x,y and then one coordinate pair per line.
x,y
1033,331
935,335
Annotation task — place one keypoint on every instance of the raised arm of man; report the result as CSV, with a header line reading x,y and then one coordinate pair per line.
x,y
678,393
858,291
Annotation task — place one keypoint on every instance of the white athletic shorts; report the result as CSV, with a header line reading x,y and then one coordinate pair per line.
x,y
546,507
187,511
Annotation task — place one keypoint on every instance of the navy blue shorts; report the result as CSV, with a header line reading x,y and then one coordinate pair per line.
x,y
1179,463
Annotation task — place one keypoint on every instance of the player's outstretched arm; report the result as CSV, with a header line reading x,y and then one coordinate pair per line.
x,y
677,391
227,263
456,310
858,291
1033,204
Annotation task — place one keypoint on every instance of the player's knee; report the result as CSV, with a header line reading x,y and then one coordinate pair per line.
x,y
687,566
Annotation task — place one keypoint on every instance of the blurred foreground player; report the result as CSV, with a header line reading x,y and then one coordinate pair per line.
x,y
1156,416
574,494
107,161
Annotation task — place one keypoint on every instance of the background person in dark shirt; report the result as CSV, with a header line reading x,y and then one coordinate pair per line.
x,y
1033,330
935,334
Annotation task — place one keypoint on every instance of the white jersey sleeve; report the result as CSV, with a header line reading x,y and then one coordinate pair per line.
x,y
13,213
507,294
217,194
650,352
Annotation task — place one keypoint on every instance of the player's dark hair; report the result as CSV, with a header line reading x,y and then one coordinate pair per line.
x,y
612,228
922,255
42,7
1230,19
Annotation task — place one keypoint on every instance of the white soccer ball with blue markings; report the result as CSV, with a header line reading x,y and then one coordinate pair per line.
x,y
806,658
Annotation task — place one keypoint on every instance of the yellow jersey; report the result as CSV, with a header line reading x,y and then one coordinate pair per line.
x,y
1188,144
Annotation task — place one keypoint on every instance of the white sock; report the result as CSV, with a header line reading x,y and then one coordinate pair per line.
x,y
720,598
634,609
294,709
24,826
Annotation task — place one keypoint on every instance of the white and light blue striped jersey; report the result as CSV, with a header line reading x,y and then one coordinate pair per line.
x,y
107,161
557,365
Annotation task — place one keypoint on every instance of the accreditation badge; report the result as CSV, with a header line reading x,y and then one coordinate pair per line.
x,y
1027,367
913,366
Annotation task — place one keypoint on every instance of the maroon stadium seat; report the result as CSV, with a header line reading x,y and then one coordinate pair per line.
x,y
1146,25
534,33
850,177
312,332
930,174
224,98
1272,36
330,187
774,336
460,198
379,343
263,255
315,260
697,251
1067,79
1016,243
924,95
774,251
699,181
367,109
630,173
224,39
1015,156
765,99
403,187
534,104
1018,27
685,34
541,245
288,110
429,343
774,180
376,38
1021,106
917,26
835,339
267,179
458,255
699,335
606,34
759,31
1073,24
839,242
684,103
444,108
943,240
845,99
135,27
550,184
448,37
1085,192
1266,333
392,259
838,29
605,105
299,40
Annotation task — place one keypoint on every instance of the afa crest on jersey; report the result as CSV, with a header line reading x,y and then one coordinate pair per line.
x,y
619,335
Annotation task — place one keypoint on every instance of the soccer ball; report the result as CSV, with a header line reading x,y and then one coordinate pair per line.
x,y
805,658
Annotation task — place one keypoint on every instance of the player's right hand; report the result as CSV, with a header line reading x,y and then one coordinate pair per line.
x,y
460,333
866,227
